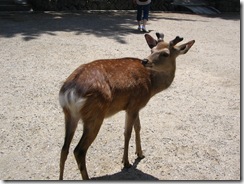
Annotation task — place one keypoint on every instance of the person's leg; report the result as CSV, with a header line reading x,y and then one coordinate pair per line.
x,y
139,16
146,9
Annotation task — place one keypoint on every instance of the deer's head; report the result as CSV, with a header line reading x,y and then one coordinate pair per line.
x,y
163,54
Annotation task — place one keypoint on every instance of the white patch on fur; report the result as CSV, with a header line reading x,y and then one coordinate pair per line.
x,y
70,100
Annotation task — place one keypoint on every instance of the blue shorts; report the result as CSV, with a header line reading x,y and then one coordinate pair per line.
x,y
145,9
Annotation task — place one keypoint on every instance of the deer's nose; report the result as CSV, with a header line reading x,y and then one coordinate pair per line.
x,y
144,61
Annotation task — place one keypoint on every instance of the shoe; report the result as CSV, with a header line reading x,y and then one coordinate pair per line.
x,y
139,28
144,30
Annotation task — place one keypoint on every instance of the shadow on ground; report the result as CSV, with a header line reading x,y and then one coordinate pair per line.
x,y
110,24
128,174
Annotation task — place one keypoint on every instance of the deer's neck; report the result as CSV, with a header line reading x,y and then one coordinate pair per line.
x,y
161,80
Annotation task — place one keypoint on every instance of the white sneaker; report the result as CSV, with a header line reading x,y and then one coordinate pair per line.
x,y
144,30
139,28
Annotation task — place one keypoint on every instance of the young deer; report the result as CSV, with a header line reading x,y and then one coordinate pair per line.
x,y
100,89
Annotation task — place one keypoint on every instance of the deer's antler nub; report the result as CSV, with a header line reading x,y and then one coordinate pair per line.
x,y
160,36
175,41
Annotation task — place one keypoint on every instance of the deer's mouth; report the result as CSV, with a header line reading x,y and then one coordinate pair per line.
x,y
149,65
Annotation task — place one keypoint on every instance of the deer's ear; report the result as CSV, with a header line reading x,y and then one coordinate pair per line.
x,y
150,41
185,47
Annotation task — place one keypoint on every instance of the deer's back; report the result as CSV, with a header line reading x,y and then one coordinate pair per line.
x,y
114,85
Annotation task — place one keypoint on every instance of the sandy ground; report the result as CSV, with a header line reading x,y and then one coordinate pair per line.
x,y
191,131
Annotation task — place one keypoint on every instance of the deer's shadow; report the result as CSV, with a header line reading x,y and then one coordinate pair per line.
x,y
131,173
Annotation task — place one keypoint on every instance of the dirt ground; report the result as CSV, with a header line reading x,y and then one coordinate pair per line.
x,y
191,131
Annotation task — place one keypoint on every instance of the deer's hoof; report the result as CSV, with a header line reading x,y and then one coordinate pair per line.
x,y
140,156
127,164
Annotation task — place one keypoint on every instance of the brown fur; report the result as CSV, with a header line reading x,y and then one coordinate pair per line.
x,y
111,85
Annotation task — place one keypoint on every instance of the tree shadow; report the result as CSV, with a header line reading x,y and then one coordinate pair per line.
x,y
128,174
114,25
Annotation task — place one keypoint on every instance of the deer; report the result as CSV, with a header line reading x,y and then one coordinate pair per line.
x,y
101,88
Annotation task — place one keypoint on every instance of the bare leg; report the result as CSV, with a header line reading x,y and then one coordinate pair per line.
x,y
144,26
139,25
144,23
70,127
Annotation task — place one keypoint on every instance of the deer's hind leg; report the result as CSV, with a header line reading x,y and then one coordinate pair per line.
x,y
90,131
70,127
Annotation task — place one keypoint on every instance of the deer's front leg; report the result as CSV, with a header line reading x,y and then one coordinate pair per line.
x,y
129,122
137,128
